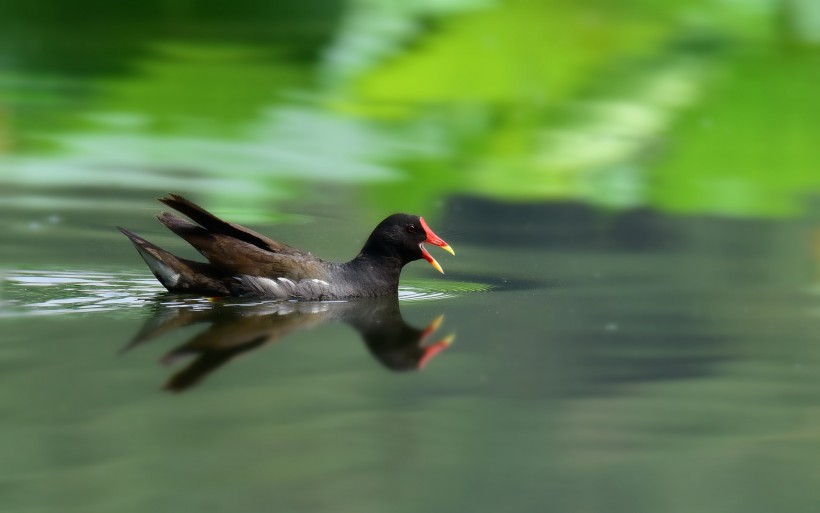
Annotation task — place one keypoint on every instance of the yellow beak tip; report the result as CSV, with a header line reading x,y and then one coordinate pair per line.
x,y
436,324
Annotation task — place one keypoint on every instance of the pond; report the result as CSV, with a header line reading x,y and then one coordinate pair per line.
x,y
630,322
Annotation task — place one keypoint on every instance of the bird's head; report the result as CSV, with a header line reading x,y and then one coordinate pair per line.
x,y
404,236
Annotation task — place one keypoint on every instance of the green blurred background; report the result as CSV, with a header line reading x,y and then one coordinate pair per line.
x,y
706,107
631,187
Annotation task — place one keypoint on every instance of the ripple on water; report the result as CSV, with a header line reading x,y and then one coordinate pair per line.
x,y
57,292
425,290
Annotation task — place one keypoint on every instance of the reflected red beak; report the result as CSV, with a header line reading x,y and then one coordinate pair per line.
x,y
435,240
432,350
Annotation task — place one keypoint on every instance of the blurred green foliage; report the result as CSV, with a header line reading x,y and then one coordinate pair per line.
x,y
750,147
698,107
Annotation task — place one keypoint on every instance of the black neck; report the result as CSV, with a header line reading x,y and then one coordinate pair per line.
x,y
371,275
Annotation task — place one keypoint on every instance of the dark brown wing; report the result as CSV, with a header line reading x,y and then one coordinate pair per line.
x,y
234,255
215,225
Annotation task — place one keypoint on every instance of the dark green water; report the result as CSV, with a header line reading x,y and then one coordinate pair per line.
x,y
635,300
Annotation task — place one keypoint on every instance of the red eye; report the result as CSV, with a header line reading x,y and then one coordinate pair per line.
x,y
411,228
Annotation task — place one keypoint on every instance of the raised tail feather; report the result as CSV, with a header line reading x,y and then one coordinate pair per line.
x,y
178,274
181,227
196,213
213,224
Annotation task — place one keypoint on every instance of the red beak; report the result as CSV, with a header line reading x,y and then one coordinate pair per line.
x,y
435,240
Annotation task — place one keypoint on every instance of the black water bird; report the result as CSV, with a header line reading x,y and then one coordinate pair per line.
x,y
244,263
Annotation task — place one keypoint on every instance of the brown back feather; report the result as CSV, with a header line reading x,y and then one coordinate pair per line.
x,y
236,256
215,225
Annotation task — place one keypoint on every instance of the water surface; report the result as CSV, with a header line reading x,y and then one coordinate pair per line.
x,y
639,370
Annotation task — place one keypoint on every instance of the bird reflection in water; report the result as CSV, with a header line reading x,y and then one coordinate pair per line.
x,y
236,328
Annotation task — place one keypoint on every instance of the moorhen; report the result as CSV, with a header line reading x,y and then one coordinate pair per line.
x,y
242,262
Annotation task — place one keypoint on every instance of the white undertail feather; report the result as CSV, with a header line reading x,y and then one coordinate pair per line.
x,y
165,274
